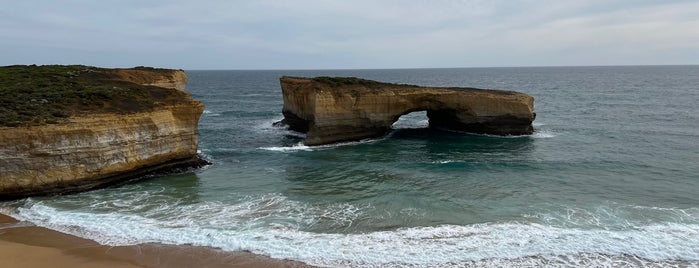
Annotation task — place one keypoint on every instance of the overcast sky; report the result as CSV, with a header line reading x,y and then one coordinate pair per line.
x,y
305,34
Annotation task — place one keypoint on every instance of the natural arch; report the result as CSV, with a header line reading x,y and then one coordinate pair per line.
x,y
336,109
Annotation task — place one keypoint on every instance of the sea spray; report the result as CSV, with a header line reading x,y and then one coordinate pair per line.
x,y
246,226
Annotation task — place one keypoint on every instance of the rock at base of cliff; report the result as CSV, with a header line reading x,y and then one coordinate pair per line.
x,y
175,166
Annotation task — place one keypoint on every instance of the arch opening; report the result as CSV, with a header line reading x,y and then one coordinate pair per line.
x,y
444,119
411,120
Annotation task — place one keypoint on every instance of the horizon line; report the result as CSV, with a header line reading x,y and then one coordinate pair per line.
x,y
417,68
376,68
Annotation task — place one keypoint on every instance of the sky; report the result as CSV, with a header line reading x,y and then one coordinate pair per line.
x,y
348,34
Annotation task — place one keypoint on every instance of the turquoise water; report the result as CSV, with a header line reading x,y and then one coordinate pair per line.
x,y
609,178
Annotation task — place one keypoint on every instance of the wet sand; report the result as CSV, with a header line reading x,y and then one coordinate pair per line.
x,y
25,245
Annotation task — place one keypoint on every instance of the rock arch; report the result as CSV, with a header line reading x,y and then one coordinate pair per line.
x,y
336,109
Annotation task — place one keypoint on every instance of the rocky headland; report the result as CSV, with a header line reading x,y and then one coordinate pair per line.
x,y
337,109
65,129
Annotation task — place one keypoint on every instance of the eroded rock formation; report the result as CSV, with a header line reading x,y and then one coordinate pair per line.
x,y
340,109
91,150
176,79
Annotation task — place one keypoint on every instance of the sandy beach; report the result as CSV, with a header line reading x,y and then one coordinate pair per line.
x,y
25,245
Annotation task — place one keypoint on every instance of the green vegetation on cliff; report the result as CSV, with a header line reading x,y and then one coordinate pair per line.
x,y
35,95
348,81
338,81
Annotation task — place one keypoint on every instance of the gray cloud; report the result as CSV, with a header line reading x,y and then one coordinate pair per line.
x,y
270,34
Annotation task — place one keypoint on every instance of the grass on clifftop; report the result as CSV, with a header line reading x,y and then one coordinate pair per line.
x,y
347,81
36,95
337,81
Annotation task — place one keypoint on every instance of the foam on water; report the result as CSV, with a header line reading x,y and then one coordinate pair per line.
x,y
542,134
443,162
267,125
295,148
538,133
300,147
276,226
209,113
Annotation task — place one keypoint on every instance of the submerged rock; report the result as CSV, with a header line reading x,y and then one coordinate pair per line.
x,y
336,109
93,127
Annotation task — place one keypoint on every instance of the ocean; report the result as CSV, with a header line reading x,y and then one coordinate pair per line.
x,y
609,178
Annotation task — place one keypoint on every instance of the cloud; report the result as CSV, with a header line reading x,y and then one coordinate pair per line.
x,y
350,34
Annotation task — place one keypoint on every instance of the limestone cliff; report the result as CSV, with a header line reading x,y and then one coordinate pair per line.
x,y
332,110
115,142
176,79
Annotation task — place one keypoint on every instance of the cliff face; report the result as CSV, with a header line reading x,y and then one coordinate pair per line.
x,y
90,150
332,110
175,79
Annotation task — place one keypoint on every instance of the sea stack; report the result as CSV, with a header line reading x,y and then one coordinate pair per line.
x,y
337,109
66,129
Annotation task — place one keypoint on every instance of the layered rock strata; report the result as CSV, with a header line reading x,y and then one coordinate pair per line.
x,y
336,109
175,79
92,150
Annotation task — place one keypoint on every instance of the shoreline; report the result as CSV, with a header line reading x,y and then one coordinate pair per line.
x,y
26,245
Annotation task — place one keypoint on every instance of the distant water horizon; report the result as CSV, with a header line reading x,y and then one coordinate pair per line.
x,y
429,68
609,178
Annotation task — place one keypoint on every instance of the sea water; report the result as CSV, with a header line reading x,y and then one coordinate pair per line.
x,y
610,177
